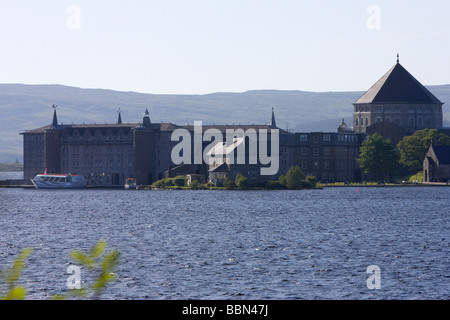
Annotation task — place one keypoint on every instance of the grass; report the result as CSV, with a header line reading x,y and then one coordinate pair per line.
x,y
415,177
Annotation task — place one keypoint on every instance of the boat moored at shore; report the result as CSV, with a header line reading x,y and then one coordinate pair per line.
x,y
130,183
58,181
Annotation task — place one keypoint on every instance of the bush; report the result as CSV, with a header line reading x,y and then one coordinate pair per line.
x,y
163,183
272,184
196,185
282,180
179,181
228,184
312,181
294,178
241,182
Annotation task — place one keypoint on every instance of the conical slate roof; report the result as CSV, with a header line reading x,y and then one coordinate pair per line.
x,y
398,86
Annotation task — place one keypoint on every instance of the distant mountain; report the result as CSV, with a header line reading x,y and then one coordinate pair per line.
x,y
25,107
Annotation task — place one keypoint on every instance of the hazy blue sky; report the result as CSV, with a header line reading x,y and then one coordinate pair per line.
x,y
204,46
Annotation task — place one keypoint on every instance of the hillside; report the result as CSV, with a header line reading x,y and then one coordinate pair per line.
x,y
24,107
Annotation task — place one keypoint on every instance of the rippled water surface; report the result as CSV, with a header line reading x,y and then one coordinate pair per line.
x,y
314,244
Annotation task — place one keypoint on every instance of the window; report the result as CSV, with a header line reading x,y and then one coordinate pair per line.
x,y
316,164
326,165
420,122
304,165
316,152
326,151
303,137
357,122
327,137
304,151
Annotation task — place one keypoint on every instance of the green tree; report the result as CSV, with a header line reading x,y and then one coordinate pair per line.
x,y
312,181
282,180
378,157
241,182
412,149
294,178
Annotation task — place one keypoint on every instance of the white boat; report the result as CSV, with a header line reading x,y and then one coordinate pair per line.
x,y
130,183
58,181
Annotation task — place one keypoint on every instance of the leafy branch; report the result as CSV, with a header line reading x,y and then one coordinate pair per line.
x,y
104,268
96,260
12,276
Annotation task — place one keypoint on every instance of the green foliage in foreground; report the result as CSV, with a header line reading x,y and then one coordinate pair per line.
x,y
12,275
96,260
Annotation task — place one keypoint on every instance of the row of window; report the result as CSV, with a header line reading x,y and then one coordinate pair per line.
x,y
96,163
97,150
397,109
421,122
327,137
98,137
316,138
315,151
53,179
315,165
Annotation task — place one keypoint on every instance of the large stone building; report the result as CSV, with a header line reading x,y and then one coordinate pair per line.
x,y
109,154
330,156
397,105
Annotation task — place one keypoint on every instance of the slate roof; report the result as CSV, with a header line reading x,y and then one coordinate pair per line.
x,y
442,154
222,168
398,86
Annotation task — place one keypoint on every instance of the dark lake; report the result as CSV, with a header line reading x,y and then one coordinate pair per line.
x,y
314,244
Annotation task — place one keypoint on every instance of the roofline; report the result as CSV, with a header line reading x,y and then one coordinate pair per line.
x,y
397,102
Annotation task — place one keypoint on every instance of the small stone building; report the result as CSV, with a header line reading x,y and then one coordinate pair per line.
x,y
436,165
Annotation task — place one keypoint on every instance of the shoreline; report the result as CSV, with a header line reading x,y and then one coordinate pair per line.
x,y
319,187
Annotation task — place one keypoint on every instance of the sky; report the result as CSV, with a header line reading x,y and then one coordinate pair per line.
x,y
206,46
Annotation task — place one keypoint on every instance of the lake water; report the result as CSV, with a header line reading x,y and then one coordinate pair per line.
x,y
11,175
314,244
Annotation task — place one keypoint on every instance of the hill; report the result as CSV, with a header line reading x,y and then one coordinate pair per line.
x,y
25,107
